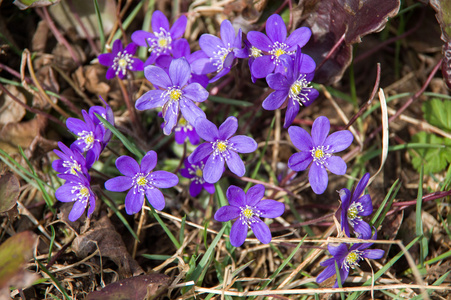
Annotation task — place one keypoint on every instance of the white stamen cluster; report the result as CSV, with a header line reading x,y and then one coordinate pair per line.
x,y
220,148
141,182
299,90
80,192
278,49
162,42
255,52
220,56
319,155
249,215
122,62
352,260
183,125
354,210
197,171
71,166
88,139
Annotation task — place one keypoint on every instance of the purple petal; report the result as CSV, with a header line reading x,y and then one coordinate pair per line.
x,y
270,208
106,59
134,201
367,205
157,76
327,273
292,112
111,73
119,184
148,162
75,125
360,188
77,210
261,231
276,29
131,48
164,179
275,99
318,178
206,129
127,166
195,188
345,197
304,64
170,118
64,192
213,169
178,28
155,198
203,66
336,165
191,111
159,21
278,81
259,40
210,188
362,228
373,253
210,44
255,194
236,196
193,137
179,72
299,37
227,213
343,275
320,130
202,151
338,141
339,251
195,92
243,144
312,94
300,161
140,37
238,233
227,32
136,65
300,138
117,47
150,100
180,48
228,128
235,164
262,66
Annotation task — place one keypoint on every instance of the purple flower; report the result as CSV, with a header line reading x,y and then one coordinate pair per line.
x,y
346,259
141,180
253,53
317,152
89,137
107,114
274,45
120,60
195,173
175,94
248,208
294,84
184,130
77,189
354,207
161,41
221,52
71,161
220,147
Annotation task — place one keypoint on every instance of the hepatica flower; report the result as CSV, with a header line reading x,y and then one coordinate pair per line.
x,y
248,208
120,60
185,130
294,85
274,45
141,181
317,151
355,205
107,114
221,147
77,189
347,259
194,171
71,161
161,41
175,94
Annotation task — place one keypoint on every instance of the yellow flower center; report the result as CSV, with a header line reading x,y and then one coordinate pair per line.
x,y
122,63
255,52
352,213
296,88
319,153
248,213
89,139
352,259
141,180
75,167
162,42
199,173
279,52
182,122
221,146
175,94
84,191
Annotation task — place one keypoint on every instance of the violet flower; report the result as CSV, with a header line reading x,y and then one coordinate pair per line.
x,y
221,147
175,94
317,152
248,208
141,181
185,130
107,114
195,173
120,60
253,53
71,161
346,259
221,52
161,41
274,45
77,189
354,206
294,84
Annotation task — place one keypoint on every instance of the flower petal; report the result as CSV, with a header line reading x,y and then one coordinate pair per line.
x,y
243,144
338,141
275,99
304,64
238,233
179,72
106,59
157,76
255,194
362,228
170,117
127,166
190,111
262,66
148,162
227,213
178,28
134,201
300,138
336,165
270,208
195,188
151,99
235,164
367,205
77,210
195,92
155,198
202,151
136,64
259,40
228,128
320,130
206,129
140,37
299,37
213,168
318,178
119,184
276,29
227,32
278,81
373,253
159,21
236,196
360,188
300,161
261,231
164,179
210,44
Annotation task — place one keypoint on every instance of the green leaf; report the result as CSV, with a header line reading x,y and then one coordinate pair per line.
x,y
438,113
434,159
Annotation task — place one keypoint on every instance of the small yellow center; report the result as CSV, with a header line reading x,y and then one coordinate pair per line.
x,y
319,153
248,213
352,213
182,122
279,52
199,173
122,63
84,191
76,167
221,146
352,258
175,94
89,139
163,43
255,52
296,88
141,180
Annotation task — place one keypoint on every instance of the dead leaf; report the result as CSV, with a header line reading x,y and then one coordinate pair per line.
x,y
103,236
9,191
40,37
24,4
134,288
96,81
10,110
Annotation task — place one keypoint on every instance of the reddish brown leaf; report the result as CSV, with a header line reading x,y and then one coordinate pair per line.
x,y
9,191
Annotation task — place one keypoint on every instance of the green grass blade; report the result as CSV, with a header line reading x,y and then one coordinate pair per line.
x,y
57,283
230,101
385,206
121,217
100,23
165,228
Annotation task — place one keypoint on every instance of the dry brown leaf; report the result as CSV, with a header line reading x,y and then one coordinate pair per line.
x,y
10,110
39,39
94,75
